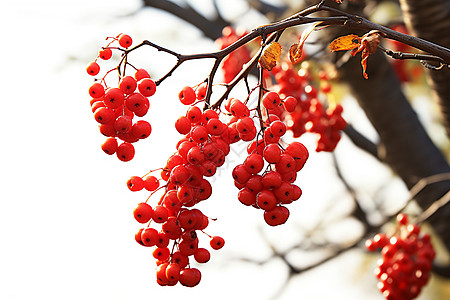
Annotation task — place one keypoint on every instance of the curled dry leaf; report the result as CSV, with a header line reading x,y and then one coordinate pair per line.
x,y
296,50
367,44
270,56
346,42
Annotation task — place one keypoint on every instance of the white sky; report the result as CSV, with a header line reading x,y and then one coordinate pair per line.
x,y
66,224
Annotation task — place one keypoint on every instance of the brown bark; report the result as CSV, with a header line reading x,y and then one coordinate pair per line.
x,y
430,20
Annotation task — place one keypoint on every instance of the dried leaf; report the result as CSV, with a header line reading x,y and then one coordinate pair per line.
x,y
296,50
369,44
270,56
346,42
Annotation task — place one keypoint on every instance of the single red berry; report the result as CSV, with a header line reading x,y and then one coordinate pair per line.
x,y
278,128
173,272
290,103
125,40
160,214
246,196
147,87
110,146
105,54
104,115
141,74
143,212
135,183
161,254
96,90
194,114
135,102
240,174
271,180
123,124
93,68
187,95
266,200
113,98
217,242
183,125
202,255
201,91
141,129
272,153
125,151
254,163
128,84
271,100
149,236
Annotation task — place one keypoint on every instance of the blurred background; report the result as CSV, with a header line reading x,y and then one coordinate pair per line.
x,y
66,220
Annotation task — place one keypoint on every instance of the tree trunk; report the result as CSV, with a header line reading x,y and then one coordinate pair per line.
x,y
430,20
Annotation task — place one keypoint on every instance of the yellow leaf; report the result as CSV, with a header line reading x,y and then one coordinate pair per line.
x,y
296,50
270,56
345,42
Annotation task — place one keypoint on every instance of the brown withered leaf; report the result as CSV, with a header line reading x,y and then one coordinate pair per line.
x,y
369,44
346,42
296,50
270,56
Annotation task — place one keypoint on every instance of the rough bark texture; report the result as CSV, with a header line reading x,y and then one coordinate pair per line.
x,y
430,20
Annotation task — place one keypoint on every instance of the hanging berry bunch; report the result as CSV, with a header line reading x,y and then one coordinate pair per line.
x,y
115,108
406,259
309,114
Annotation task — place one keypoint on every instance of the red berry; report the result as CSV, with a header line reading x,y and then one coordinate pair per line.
x,y
135,183
96,90
276,216
113,98
187,95
217,242
123,124
266,200
105,54
128,84
135,102
183,125
271,100
147,87
143,212
272,153
125,40
93,68
254,163
290,103
110,146
149,236
141,129
160,214
202,255
125,151
104,115
141,74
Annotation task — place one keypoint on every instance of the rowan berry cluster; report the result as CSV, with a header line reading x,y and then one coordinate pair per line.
x,y
309,114
406,260
202,149
115,108
234,62
266,178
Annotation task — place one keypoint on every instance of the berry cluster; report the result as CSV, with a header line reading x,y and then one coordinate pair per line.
x,y
114,108
202,149
234,62
406,261
309,115
265,179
